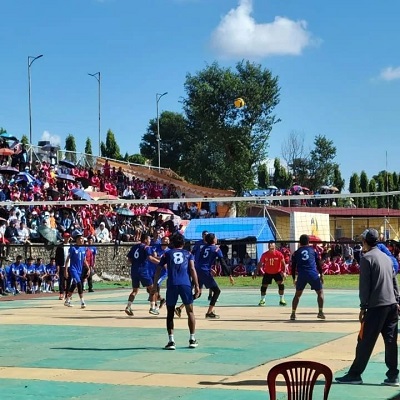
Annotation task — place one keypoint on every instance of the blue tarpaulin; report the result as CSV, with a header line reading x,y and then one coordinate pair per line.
x,y
254,229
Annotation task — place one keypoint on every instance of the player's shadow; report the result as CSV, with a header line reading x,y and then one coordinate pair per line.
x,y
106,349
248,382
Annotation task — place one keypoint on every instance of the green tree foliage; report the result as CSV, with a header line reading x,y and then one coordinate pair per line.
x,y
70,146
373,202
263,176
321,163
173,128
338,181
110,149
364,186
282,178
90,161
354,187
2,130
396,199
24,139
136,159
224,144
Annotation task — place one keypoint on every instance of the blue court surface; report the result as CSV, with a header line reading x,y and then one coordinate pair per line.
x,y
54,352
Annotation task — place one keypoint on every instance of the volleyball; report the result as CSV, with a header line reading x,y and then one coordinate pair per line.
x,y
239,102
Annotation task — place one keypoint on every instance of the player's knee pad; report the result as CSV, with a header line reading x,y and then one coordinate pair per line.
x,y
281,286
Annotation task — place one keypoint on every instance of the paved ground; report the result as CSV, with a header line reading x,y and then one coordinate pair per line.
x,y
54,352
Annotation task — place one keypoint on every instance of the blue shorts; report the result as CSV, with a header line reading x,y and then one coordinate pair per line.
x,y
206,279
75,275
184,291
313,280
141,277
163,277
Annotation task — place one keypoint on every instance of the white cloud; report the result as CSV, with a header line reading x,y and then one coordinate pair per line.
x,y
390,73
53,139
239,35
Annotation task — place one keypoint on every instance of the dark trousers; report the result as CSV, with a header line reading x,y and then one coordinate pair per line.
x,y
89,278
378,320
61,280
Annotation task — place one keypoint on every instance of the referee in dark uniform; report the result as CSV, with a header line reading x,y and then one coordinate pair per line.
x,y
378,311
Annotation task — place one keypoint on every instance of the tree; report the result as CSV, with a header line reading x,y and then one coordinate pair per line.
x,y
282,178
294,154
364,186
24,139
263,176
70,147
88,151
321,164
173,128
224,144
136,159
110,149
373,203
338,181
2,130
354,187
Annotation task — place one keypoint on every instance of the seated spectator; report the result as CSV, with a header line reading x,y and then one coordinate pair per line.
x,y
11,233
235,260
251,268
334,267
354,268
51,275
239,270
23,233
102,234
246,260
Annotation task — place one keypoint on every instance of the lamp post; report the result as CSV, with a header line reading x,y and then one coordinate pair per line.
x,y
158,97
98,78
30,62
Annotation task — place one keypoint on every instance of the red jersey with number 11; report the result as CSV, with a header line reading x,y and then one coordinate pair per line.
x,y
271,262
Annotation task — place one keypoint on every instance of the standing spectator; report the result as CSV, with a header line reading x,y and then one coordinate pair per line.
x,y
306,262
379,309
61,256
91,254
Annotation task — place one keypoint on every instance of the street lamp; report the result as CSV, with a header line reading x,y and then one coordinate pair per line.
x,y
98,78
30,62
158,97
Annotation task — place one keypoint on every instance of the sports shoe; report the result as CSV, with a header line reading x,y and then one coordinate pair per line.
x,y
67,303
293,316
178,312
153,311
193,344
83,305
60,297
262,302
212,315
170,346
351,380
129,311
321,315
162,302
282,303
391,382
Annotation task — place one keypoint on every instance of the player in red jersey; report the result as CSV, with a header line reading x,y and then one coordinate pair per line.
x,y
272,263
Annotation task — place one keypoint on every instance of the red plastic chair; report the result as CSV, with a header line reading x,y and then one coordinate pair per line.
x,y
300,378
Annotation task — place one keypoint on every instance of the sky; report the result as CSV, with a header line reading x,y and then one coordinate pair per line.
x,y
338,65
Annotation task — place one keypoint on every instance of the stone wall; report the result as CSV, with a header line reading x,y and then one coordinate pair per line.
x,y
111,259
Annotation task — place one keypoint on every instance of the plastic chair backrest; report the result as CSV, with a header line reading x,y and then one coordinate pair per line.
x,y
300,378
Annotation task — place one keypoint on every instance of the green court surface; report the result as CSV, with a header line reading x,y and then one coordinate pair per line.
x,y
54,352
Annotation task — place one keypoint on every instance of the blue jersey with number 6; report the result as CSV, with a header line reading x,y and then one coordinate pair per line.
x,y
305,260
177,261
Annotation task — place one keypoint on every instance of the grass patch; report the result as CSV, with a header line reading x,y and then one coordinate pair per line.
x,y
331,282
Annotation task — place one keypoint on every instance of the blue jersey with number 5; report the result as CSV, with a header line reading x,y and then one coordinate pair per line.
x,y
177,261
305,260
207,257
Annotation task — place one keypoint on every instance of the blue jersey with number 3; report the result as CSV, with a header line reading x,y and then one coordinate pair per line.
x,y
305,260
177,261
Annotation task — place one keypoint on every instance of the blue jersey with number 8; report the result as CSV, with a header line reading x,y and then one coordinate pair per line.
x,y
177,261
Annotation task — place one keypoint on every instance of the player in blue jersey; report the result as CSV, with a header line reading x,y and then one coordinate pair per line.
x,y
307,263
140,255
208,254
179,264
160,250
76,261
